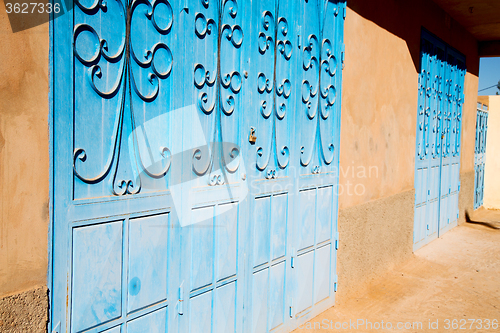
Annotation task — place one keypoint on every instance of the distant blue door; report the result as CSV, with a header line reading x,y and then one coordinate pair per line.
x,y
439,123
196,153
480,154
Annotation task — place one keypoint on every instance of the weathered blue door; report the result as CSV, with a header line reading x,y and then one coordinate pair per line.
x,y
439,119
195,164
480,154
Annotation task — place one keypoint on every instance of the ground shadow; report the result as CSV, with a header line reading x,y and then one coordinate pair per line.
x,y
490,225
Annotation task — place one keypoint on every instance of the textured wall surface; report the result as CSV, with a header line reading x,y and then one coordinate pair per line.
x,y
380,94
379,114
25,312
24,157
469,123
466,195
492,167
374,237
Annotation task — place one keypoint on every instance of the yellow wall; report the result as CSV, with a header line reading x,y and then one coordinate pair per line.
x,y
379,111
24,157
492,167
379,95
469,123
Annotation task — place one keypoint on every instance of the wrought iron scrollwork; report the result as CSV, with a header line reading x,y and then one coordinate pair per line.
x,y
217,89
318,93
274,92
126,85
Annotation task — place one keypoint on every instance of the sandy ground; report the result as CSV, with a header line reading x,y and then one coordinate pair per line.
x,y
454,277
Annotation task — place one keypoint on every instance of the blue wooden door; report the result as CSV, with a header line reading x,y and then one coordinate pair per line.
x,y
315,239
115,71
213,214
453,98
271,99
480,154
195,164
294,91
437,161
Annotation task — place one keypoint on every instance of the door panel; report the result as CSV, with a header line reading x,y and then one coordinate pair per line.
x,y
155,322
168,216
480,154
305,273
97,276
438,140
317,122
147,259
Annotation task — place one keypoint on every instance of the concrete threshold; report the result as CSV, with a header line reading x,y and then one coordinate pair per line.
x,y
449,285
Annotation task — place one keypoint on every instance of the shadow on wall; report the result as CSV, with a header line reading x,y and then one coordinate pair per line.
x,y
405,19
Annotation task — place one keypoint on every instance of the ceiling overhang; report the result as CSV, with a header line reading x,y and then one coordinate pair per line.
x,y
481,18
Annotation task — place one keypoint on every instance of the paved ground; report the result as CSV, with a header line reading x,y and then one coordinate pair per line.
x,y
454,277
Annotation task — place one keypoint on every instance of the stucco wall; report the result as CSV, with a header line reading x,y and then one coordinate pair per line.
x,y
492,167
24,157
378,132
378,113
469,123
25,312
375,237
466,195
379,94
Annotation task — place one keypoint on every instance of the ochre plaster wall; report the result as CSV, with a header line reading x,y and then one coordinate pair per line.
x,y
492,167
378,128
379,103
469,123
24,157
466,195
380,95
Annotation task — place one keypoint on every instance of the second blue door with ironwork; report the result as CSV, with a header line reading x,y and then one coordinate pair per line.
x,y
480,154
196,149
439,123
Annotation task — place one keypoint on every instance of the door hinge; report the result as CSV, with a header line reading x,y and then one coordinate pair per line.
x,y
180,307
292,259
427,227
291,308
345,10
342,54
335,283
337,240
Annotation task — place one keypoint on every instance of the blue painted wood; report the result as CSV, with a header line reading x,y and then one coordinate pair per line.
x,y
166,217
480,154
437,162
